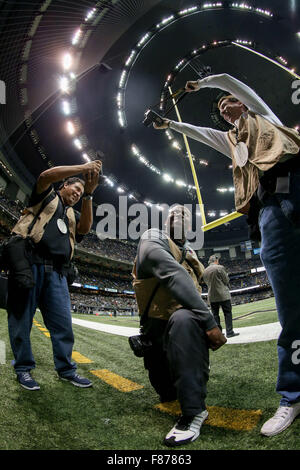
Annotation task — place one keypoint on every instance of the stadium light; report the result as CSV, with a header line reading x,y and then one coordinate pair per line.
x,y
78,144
176,145
90,14
109,181
130,58
67,61
168,178
70,128
165,21
66,107
143,39
64,84
187,11
180,183
76,36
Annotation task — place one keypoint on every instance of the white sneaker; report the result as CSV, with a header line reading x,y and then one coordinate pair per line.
x,y
282,419
187,429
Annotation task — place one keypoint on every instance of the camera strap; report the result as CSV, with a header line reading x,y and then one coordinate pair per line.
x,y
176,102
45,202
181,92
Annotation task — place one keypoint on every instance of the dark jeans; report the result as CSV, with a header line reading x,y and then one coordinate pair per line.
x,y
279,222
178,365
51,295
227,310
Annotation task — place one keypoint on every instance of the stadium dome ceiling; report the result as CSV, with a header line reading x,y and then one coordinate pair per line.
x,y
55,115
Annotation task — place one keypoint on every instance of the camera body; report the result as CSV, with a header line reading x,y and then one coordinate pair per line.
x,y
140,345
151,116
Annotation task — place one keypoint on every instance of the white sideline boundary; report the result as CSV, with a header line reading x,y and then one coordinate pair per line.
x,y
248,334
2,353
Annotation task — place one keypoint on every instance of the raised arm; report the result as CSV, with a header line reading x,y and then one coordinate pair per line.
x,y
239,90
59,173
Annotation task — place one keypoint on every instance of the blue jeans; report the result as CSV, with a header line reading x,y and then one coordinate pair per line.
x,y
51,295
279,222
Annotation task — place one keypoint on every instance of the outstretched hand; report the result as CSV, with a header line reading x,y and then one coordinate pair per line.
x,y
191,86
164,125
216,338
91,179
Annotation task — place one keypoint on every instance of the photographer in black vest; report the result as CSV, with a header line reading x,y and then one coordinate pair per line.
x,y
47,231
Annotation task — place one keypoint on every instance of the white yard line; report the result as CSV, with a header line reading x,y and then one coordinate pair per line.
x,y
248,334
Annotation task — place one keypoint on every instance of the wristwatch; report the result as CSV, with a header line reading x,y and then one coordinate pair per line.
x,y
88,197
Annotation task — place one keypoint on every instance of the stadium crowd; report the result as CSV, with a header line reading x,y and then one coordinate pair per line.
x,y
122,250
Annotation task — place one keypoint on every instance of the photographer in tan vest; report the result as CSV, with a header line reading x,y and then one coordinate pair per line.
x,y
47,231
266,174
177,322
217,280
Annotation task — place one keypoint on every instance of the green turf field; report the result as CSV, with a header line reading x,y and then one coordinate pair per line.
x,y
109,416
254,313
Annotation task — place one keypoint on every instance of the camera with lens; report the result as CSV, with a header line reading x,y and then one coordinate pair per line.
x,y
140,345
151,116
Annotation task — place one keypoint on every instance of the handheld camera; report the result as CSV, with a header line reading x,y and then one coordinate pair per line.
x,y
151,116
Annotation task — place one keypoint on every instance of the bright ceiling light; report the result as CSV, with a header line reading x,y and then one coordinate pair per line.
x,y
76,36
134,150
90,14
180,183
70,128
64,84
67,61
66,107
143,39
109,181
78,144
176,145
167,178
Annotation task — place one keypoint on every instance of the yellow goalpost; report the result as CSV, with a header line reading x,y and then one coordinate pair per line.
x,y
214,223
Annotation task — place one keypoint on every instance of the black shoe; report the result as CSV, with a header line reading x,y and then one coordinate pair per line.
x,y
78,381
186,430
26,381
231,335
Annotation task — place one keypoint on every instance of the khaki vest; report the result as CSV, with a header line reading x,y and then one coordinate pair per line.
x,y
163,304
267,144
37,232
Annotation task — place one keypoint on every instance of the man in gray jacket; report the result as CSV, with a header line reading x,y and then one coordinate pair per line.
x,y
217,281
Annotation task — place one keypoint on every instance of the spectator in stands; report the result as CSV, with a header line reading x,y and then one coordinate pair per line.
x,y
177,321
217,280
52,235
